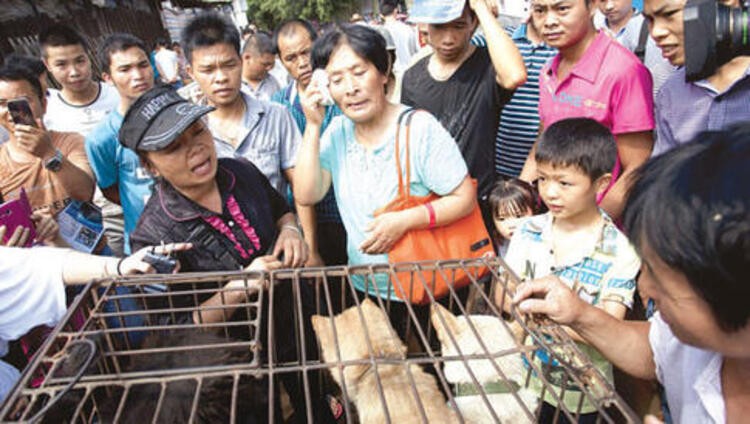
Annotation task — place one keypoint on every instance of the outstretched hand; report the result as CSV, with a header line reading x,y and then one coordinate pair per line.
x,y
134,264
551,297
261,263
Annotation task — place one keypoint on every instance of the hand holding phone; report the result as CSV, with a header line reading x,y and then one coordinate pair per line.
x,y
35,139
313,99
15,216
17,238
319,80
163,264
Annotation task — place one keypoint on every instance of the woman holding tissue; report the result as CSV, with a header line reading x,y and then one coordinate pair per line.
x,y
357,152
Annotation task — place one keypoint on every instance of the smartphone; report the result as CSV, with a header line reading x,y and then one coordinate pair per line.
x,y
17,213
20,111
163,264
320,79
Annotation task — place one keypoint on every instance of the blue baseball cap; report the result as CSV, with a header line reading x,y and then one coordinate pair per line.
x,y
435,11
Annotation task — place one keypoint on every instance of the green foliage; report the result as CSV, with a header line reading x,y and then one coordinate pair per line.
x,y
266,14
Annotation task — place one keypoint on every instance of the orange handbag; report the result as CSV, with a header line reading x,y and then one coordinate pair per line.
x,y
465,238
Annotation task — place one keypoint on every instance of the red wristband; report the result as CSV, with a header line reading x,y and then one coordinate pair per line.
x,y
431,211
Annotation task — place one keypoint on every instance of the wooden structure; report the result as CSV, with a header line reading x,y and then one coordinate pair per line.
x,y
22,20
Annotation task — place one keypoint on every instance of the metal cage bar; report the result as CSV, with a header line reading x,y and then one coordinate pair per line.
x,y
268,345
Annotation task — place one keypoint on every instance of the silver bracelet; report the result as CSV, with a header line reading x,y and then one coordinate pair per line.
x,y
293,228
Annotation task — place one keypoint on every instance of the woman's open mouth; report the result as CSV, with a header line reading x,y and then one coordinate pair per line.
x,y
203,168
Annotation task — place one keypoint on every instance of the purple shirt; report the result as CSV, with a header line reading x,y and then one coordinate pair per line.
x,y
684,109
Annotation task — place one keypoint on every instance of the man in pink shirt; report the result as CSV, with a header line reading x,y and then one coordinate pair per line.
x,y
593,76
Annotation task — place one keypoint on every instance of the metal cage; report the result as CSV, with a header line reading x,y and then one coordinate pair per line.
x,y
138,350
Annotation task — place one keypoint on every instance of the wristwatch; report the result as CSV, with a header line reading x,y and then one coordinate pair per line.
x,y
55,162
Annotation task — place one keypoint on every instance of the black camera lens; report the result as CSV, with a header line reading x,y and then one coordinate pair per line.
x,y
737,21
714,35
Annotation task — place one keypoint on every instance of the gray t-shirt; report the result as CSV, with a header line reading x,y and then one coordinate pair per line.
x,y
265,89
268,138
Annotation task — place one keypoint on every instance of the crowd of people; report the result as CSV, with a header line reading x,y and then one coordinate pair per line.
x,y
604,176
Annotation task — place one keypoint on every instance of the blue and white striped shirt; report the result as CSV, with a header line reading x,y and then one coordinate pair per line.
x,y
519,120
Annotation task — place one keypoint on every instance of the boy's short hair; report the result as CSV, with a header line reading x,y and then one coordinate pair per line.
x,y
32,64
580,142
259,43
290,26
9,73
57,35
208,30
691,207
118,42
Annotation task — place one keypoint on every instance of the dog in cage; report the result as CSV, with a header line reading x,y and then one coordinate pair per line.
x,y
351,337
178,397
458,337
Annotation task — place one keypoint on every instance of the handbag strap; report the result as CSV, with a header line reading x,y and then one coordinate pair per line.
x,y
404,190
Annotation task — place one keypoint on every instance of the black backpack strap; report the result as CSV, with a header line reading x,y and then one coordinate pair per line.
x,y
640,49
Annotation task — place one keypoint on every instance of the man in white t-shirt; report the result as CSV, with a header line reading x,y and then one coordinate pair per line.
x,y
80,106
82,102
168,64
690,227
404,36
34,295
64,116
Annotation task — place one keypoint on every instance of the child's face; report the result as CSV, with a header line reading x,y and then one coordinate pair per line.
x,y
567,190
507,221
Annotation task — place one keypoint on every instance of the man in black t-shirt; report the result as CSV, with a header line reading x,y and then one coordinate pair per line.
x,y
465,86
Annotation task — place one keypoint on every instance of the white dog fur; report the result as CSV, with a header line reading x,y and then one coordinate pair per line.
x,y
496,339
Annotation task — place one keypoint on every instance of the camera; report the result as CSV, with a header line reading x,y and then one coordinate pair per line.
x,y
714,35
162,264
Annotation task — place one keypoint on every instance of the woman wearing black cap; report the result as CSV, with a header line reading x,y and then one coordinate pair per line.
x,y
225,207
228,211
